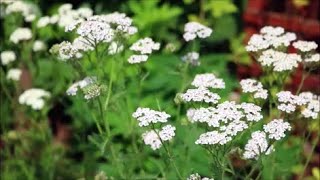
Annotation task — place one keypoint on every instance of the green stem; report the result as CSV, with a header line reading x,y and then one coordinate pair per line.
x,y
168,153
309,157
304,76
109,86
116,163
102,119
251,172
4,87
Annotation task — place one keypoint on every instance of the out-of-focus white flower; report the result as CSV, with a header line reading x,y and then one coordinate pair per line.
x,y
208,80
145,46
14,74
313,58
134,59
305,46
82,44
146,116
7,57
84,12
253,86
43,21
200,95
20,34
276,129
67,51
73,89
39,46
193,30
54,19
257,145
272,31
7,1
115,47
27,10
192,58
34,97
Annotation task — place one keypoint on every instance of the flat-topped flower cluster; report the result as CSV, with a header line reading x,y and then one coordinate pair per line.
x,y
155,137
308,103
201,93
260,140
270,49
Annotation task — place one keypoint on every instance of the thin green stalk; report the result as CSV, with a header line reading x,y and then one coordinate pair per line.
x,y
168,153
102,119
4,87
259,175
109,86
251,172
223,169
304,76
309,157
116,161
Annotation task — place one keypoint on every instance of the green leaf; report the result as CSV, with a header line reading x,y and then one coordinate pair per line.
x,y
224,28
221,7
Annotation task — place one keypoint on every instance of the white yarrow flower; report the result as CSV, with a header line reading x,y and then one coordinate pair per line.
x,y
147,116
200,95
151,138
26,10
313,58
145,46
89,87
14,74
43,21
39,46
208,80
257,145
7,57
305,46
253,86
252,111
193,30
20,34
134,59
34,97
212,138
276,129
192,58
167,133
